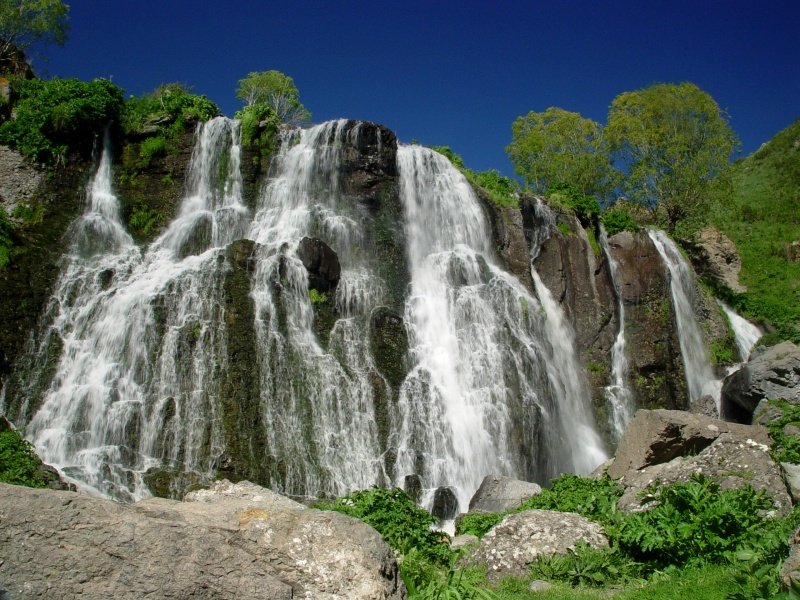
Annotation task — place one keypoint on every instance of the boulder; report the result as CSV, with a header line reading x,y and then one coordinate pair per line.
x,y
791,475
714,255
232,541
463,541
658,436
768,375
321,262
790,570
705,406
445,503
733,460
412,484
514,543
498,493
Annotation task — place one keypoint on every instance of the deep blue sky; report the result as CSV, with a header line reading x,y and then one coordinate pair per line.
x,y
451,73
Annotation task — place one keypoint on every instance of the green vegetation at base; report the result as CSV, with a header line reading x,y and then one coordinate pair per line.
x,y
760,212
501,190
697,538
19,464
56,116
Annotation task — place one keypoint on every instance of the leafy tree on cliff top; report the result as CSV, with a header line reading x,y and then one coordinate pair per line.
x,y
559,147
25,22
673,141
276,91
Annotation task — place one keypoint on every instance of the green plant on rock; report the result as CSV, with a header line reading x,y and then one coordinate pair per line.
x,y
259,124
569,196
786,446
151,148
6,239
56,116
317,297
144,220
618,219
501,190
19,464
594,499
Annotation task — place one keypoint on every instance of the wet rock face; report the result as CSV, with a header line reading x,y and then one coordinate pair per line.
x,y
657,374
769,375
233,541
369,161
445,504
321,262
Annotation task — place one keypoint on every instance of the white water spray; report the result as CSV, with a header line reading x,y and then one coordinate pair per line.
x,y
617,392
700,377
487,392
745,332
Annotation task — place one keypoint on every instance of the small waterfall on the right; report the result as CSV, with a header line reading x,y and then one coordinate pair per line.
x,y
700,378
617,392
745,332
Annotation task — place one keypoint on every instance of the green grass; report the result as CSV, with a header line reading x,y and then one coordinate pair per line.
x,y
761,214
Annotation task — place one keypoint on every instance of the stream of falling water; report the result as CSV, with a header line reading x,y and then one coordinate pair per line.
x,y
617,392
700,377
494,386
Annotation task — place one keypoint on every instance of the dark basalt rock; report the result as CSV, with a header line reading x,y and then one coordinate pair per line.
x,y
412,485
368,162
445,503
321,262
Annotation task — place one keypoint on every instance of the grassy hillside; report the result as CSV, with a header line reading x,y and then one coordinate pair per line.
x,y
761,214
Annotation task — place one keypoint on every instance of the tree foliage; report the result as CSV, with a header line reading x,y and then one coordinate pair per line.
x,y
558,146
672,141
275,90
57,115
25,22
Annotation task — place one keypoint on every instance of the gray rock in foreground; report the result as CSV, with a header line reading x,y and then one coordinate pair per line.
x,y
769,375
498,493
514,543
233,541
658,436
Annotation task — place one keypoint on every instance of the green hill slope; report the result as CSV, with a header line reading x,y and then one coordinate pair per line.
x,y
762,217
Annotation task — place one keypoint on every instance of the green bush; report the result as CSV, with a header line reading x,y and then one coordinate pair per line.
x,y
616,220
144,220
785,448
695,522
151,148
595,499
57,116
569,196
166,110
259,125
19,464
6,240
500,189
403,524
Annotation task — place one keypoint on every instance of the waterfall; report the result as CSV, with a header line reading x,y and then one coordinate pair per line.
x,y
745,332
141,335
493,387
617,392
700,377
319,405
148,350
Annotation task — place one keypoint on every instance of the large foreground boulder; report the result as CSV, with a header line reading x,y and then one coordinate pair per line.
x,y
657,436
670,446
498,493
514,543
769,375
232,541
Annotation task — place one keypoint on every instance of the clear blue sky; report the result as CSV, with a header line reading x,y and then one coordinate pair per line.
x,y
451,73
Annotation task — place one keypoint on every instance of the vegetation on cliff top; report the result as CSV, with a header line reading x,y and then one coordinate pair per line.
x,y
760,212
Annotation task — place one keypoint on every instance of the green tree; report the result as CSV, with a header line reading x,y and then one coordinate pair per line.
x,y
556,147
25,22
672,141
275,90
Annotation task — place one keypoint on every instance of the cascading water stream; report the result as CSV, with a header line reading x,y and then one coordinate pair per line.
x,y
617,392
700,377
487,392
745,332
141,336
319,406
